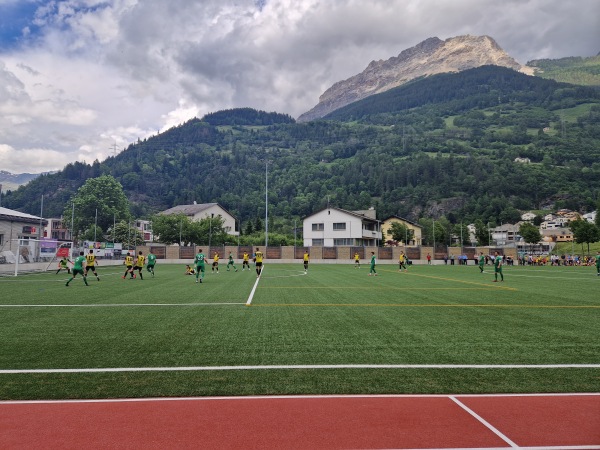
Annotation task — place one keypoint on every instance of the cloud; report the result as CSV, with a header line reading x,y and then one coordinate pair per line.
x,y
90,73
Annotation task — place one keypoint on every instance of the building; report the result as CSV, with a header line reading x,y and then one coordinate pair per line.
x,y
505,234
201,211
335,227
417,230
590,217
145,227
555,223
15,226
56,229
528,216
557,235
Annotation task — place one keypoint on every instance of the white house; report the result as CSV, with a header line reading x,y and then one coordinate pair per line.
x,y
590,217
505,234
16,226
334,227
205,210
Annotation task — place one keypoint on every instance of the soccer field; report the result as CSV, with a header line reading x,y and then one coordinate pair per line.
x,y
335,330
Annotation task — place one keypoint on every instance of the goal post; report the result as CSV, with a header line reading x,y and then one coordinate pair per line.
x,y
37,255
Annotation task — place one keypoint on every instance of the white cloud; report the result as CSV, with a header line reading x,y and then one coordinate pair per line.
x,y
93,73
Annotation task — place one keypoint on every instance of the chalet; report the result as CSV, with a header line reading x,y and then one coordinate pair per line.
x,y
334,227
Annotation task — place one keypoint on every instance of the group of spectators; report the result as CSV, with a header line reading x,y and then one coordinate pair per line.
x,y
556,260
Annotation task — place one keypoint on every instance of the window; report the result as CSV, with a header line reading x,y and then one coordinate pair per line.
x,y
342,242
317,242
318,227
340,226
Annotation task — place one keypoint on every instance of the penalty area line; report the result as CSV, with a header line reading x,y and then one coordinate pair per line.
x,y
300,367
249,301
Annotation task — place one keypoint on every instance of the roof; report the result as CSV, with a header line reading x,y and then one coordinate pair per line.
x,y
350,213
11,214
192,210
414,224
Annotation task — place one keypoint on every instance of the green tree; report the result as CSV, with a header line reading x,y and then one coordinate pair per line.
x,y
98,202
170,228
400,232
482,233
125,233
461,231
93,234
585,232
530,233
434,231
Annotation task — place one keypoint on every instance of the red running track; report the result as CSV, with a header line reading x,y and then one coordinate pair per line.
x,y
306,422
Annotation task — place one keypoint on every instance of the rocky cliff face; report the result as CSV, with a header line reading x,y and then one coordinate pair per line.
x,y
427,58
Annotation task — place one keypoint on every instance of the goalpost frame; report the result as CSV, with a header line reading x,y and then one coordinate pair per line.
x,y
61,248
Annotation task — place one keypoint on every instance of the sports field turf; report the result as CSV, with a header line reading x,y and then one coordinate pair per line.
x,y
435,329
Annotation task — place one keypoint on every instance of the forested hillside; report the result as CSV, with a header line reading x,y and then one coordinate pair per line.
x,y
444,145
573,69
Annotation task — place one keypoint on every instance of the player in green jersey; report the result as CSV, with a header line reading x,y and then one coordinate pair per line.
x,y
199,261
498,267
230,262
598,263
63,264
151,262
78,268
372,270
481,262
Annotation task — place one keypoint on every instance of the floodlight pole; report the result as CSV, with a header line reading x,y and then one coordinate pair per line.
x,y
266,204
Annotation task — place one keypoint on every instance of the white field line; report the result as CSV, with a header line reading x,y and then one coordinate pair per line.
x,y
302,367
295,397
249,301
127,305
484,422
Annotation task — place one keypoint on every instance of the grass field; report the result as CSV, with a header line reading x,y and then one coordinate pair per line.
x,y
435,329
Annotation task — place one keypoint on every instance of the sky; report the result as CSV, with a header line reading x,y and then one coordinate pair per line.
x,y
80,80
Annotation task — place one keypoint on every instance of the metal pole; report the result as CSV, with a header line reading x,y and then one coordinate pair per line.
x,y
72,221
180,225
95,225
266,204
114,226
39,250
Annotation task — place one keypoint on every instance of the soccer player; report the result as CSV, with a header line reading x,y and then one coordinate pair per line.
x,y
78,269
402,262
498,267
128,265
151,263
356,261
428,259
598,263
139,265
230,262
258,259
63,264
91,264
246,261
189,270
481,262
306,258
372,271
215,264
199,262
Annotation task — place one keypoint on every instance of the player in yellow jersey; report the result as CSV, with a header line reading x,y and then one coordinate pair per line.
x,y
90,264
129,265
258,259
139,265
306,258
246,261
356,261
402,262
215,264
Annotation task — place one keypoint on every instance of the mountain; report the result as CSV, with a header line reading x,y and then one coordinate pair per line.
x,y
11,181
485,143
432,56
575,70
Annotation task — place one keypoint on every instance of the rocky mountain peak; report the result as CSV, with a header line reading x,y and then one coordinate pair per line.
x,y
429,57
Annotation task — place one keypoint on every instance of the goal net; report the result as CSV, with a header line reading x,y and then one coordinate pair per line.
x,y
37,255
